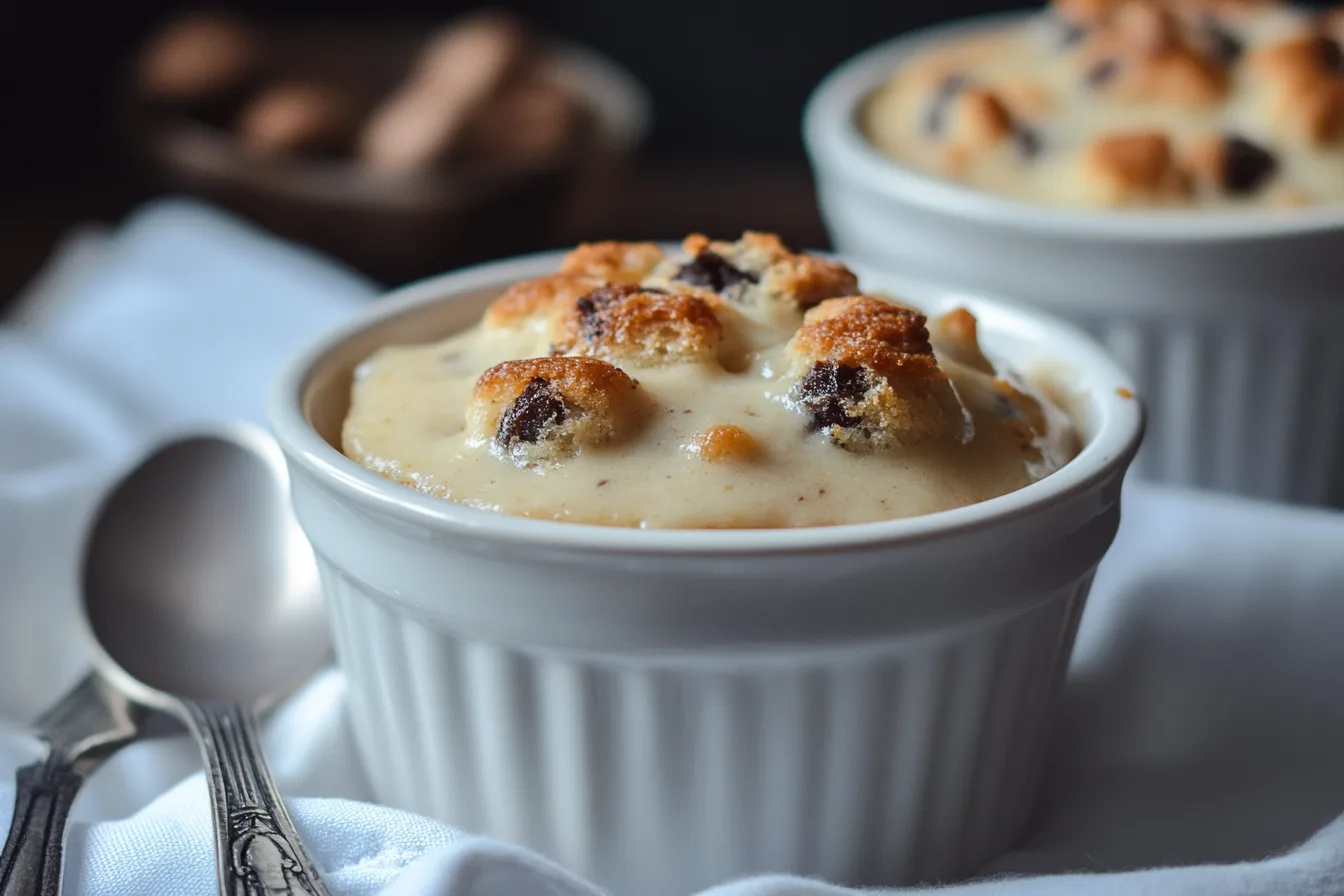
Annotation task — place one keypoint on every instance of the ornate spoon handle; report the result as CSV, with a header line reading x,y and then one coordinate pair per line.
x,y
31,862
87,726
257,850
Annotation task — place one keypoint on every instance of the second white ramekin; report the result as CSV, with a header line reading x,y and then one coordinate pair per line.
x,y
1231,323
663,710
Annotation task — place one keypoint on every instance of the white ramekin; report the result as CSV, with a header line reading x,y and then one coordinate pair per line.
x,y
663,710
1232,323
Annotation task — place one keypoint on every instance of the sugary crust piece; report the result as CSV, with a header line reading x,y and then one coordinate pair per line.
x,y
644,328
539,297
1121,169
865,375
614,262
756,270
544,410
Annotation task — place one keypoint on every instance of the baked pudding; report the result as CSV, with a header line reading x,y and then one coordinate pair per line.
x,y
1123,103
719,385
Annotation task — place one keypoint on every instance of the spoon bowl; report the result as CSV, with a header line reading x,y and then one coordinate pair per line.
x,y
202,596
197,580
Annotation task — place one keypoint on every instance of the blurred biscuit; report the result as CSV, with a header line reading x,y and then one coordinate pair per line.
x,y
459,70
199,57
296,118
531,122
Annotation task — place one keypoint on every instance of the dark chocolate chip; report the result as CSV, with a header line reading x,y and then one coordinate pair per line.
x,y
590,320
1027,141
826,388
1246,166
1101,73
538,406
709,269
935,119
593,305
1224,46
828,379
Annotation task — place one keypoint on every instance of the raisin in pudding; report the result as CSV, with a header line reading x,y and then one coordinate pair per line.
x,y
1112,103
722,385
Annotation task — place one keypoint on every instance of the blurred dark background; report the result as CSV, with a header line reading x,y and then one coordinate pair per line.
x,y
729,78
728,81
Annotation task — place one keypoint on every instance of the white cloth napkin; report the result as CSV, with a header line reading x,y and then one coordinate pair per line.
x,y
1202,736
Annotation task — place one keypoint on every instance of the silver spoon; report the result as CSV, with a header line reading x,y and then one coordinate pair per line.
x,y
84,729
203,597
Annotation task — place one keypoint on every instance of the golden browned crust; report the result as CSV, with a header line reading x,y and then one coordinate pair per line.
x,y
863,331
1305,90
1094,13
543,410
1086,13
757,270
1206,159
538,297
865,374
613,262
1142,53
977,119
723,444
805,280
1121,169
1025,99
627,323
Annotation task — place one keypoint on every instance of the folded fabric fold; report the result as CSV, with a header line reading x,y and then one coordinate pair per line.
x,y
1202,727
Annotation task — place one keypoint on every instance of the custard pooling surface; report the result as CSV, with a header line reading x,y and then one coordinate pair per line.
x,y
676,392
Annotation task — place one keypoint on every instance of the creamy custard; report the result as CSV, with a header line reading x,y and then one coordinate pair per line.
x,y
694,402
1106,103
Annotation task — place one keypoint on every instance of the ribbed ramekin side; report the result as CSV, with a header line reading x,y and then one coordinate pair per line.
x,y
911,759
1237,403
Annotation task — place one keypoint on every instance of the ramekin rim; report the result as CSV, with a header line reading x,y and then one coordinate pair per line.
x,y
836,145
1108,453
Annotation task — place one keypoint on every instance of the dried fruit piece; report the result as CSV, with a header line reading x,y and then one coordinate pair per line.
x,y
828,390
537,408
713,271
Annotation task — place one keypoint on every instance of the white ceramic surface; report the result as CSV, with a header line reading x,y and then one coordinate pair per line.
x,y
662,710
1232,323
